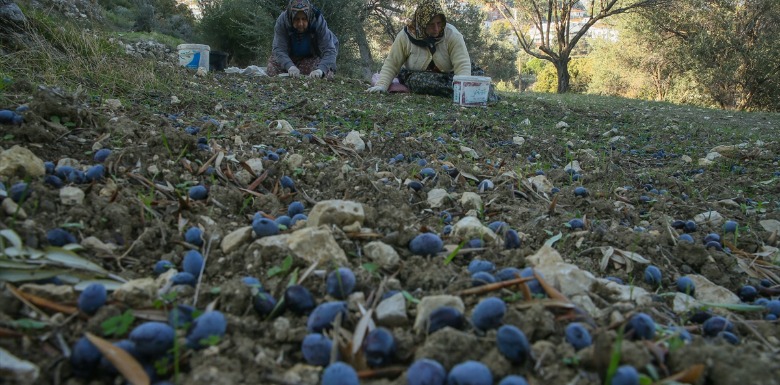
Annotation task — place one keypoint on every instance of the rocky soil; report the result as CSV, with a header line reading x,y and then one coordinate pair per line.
x,y
353,159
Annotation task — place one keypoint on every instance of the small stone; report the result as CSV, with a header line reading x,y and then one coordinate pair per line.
x,y
71,196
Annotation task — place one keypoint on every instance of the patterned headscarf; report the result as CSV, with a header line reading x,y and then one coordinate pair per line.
x,y
426,10
295,6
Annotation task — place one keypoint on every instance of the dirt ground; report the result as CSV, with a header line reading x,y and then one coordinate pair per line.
x,y
141,210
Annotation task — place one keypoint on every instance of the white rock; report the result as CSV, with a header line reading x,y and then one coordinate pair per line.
x,y
70,162
686,159
729,151
430,303
112,104
683,302
770,225
707,291
562,124
12,209
382,254
281,328
316,244
294,161
568,278
300,373
471,227
437,197
712,156
712,217
470,152
137,293
256,164
392,311
526,122
471,200
541,183
354,140
574,166
94,243
17,370
71,196
19,161
627,293
518,140
235,239
282,126
336,212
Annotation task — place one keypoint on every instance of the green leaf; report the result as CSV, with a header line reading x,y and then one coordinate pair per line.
x,y
614,360
19,275
12,237
734,306
17,265
645,379
26,323
370,267
55,119
70,259
293,278
210,340
552,240
215,290
283,268
110,285
452,255
118,325
409,297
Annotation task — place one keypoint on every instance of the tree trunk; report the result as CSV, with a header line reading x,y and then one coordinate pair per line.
x,y
562,67
366,61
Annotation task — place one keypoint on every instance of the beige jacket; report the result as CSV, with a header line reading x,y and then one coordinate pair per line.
x,y
451,55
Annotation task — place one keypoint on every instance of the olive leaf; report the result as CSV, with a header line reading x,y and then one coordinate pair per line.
x,y
622,257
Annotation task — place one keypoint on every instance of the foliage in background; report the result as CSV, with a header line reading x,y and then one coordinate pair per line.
x,y
555,37
635,66
163,16
580,72
242,28
729,48
60,52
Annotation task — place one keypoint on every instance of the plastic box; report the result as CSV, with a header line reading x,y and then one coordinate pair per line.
x,y
194,55
470,91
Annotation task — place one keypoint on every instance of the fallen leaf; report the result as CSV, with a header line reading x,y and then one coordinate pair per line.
x,y
133,372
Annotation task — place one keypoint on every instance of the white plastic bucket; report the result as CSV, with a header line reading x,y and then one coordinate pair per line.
x,y
470,91
194,55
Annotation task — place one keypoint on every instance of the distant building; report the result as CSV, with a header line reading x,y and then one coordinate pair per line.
x,y
576,25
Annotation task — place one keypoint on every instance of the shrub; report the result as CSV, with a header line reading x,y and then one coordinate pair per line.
x,y
242,28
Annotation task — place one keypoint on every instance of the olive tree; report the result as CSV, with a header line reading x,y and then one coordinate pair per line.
x,y
545,28
728,48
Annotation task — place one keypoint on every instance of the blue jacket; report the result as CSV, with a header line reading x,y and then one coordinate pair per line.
x,y
324,42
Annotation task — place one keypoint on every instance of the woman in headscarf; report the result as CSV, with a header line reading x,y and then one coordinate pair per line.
x,y
303,44
426,54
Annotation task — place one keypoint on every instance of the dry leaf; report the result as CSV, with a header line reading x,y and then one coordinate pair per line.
x,y
133,372
622,257
365,325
